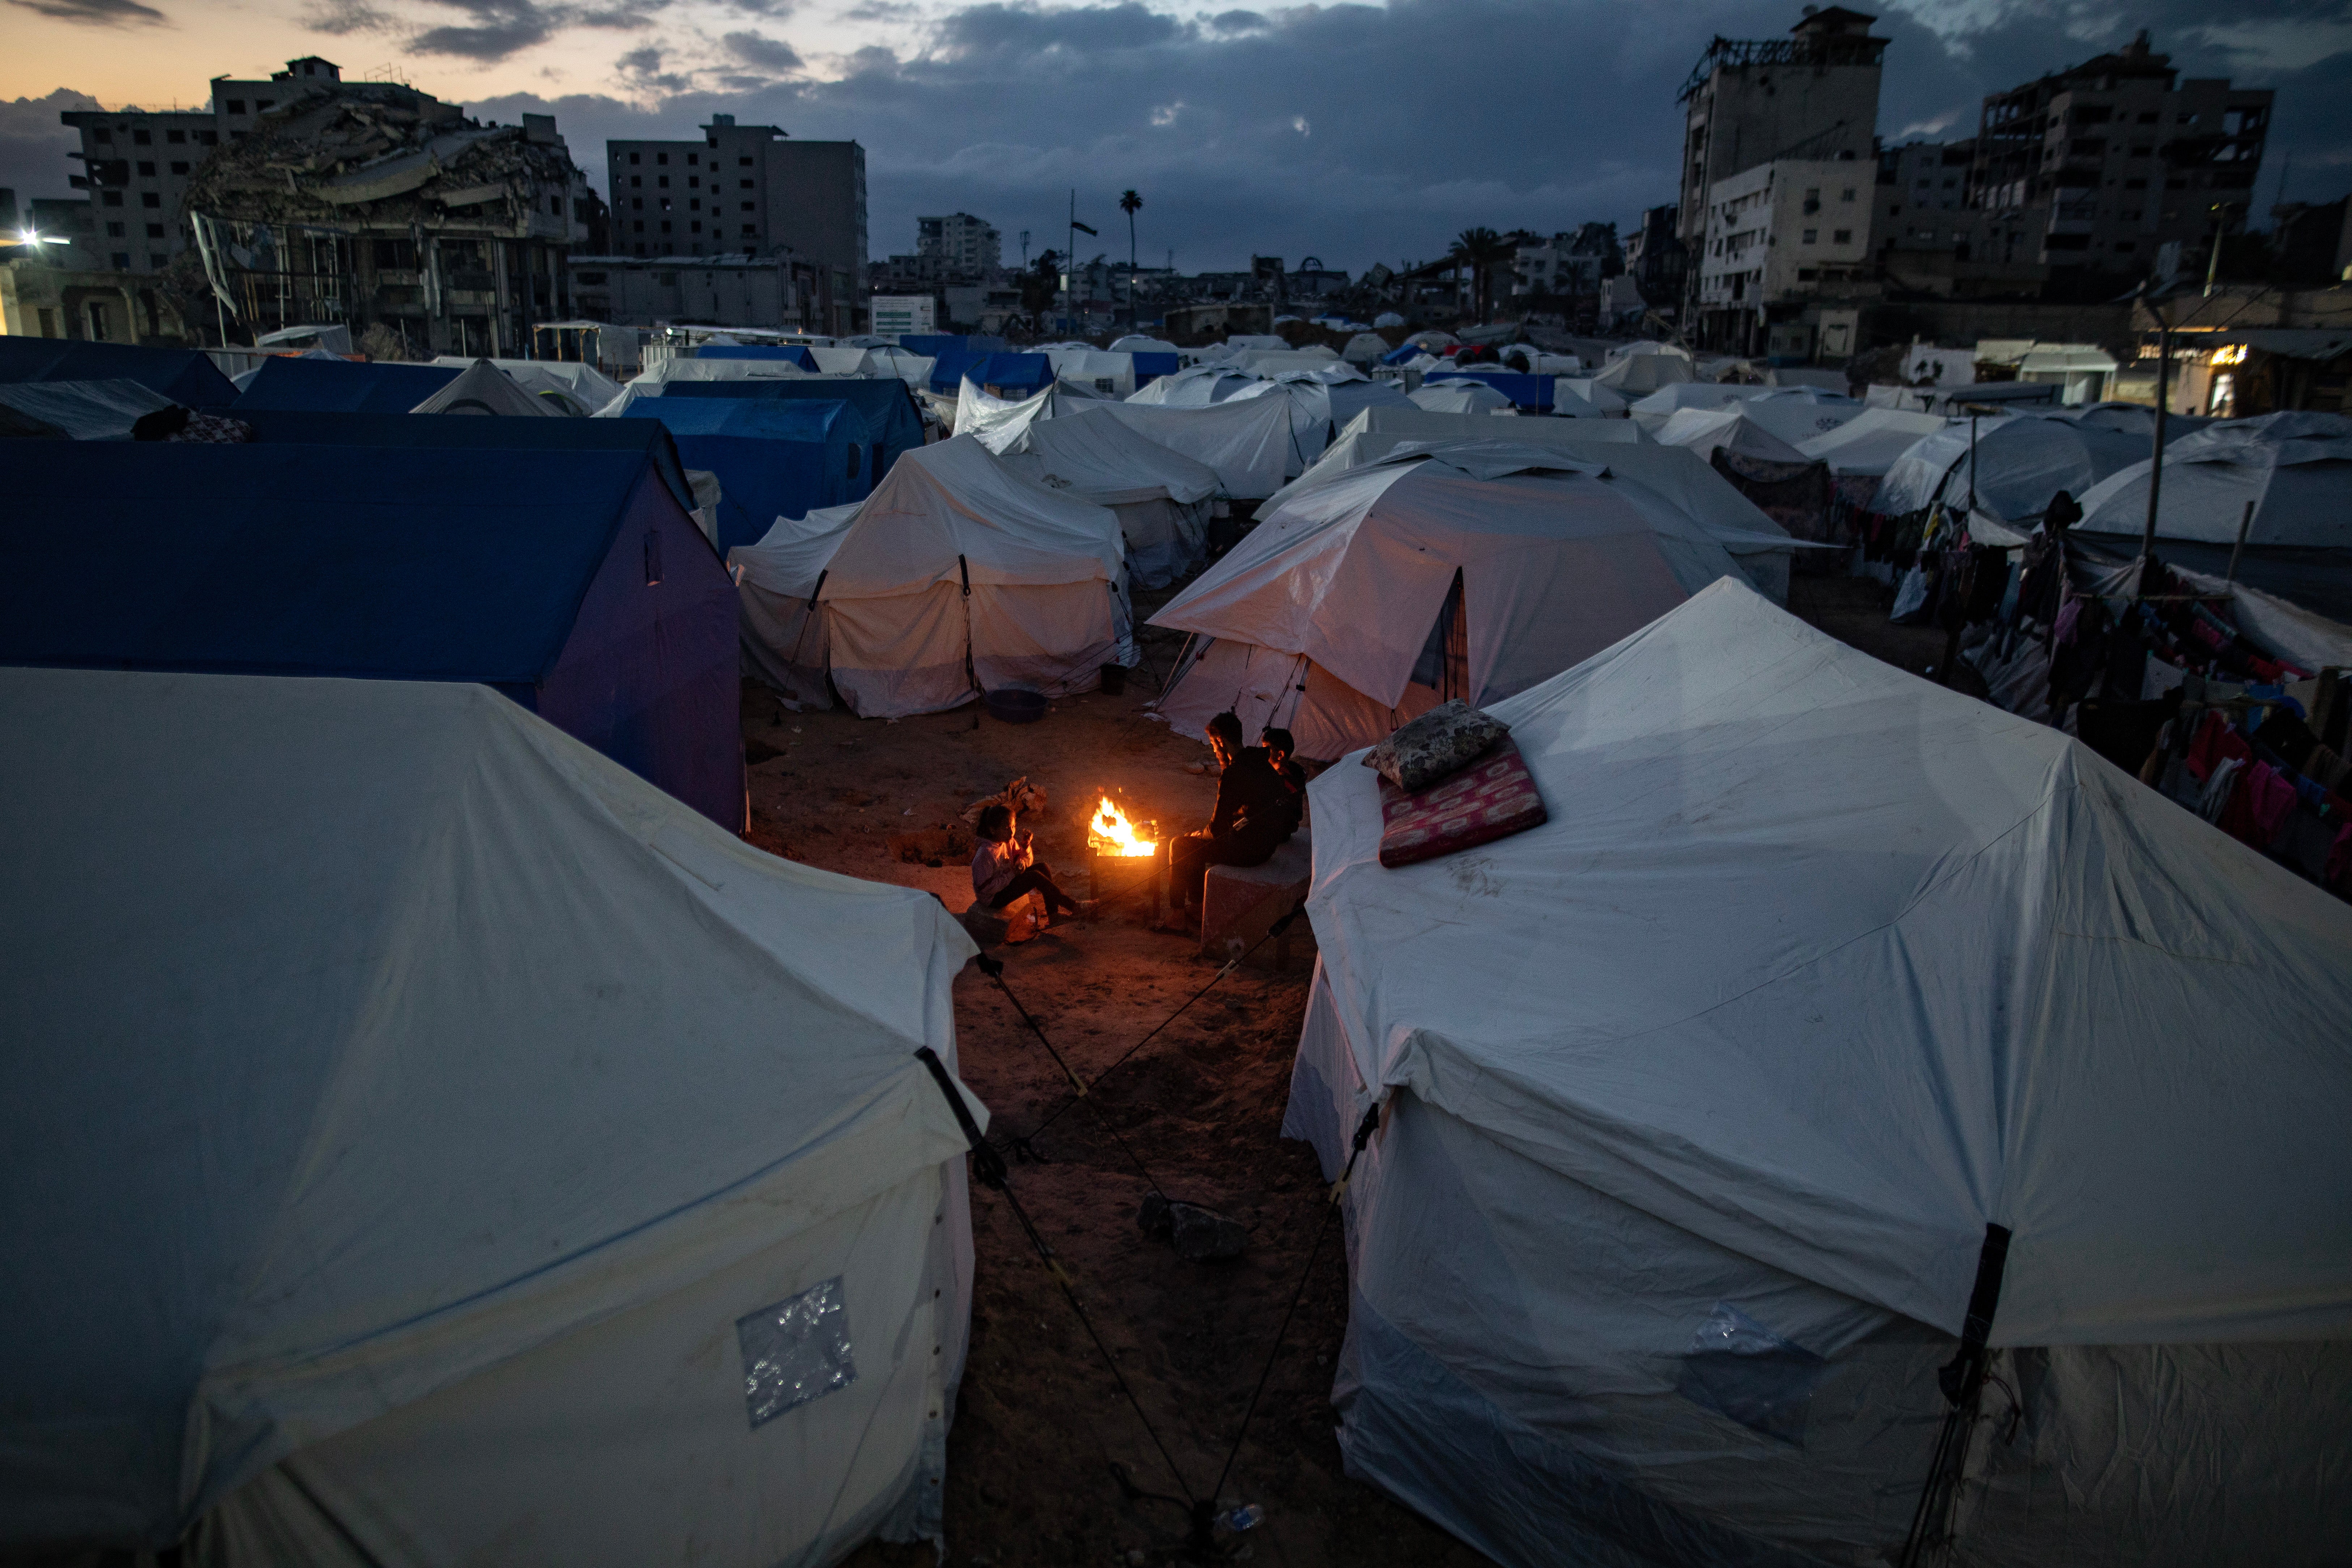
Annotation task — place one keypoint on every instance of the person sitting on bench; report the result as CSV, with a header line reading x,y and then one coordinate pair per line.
x,y
1005,867
1255,813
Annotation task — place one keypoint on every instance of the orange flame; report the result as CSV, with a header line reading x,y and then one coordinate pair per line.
x,y
1113,833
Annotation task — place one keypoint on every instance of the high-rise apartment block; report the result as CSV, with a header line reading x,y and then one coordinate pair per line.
x,y
749,189
968,250
2091,169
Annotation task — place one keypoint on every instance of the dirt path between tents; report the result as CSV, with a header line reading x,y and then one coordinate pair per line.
x,y
1041,1420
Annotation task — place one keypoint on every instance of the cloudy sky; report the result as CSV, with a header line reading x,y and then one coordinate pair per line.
x,y
1354,133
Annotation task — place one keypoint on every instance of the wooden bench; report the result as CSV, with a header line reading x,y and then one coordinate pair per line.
x,y
1239,903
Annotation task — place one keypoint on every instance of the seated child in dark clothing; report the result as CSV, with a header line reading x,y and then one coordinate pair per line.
x,y
1005,867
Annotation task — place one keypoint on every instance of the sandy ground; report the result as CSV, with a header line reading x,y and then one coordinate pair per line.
x,y
1041,1422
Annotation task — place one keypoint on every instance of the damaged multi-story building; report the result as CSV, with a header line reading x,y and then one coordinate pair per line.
x,y
373,205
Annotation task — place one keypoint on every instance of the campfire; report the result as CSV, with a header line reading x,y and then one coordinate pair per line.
x,y
1111,835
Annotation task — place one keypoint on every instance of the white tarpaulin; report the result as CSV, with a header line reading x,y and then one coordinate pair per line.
x,y
1643,367
1459,397
662,372
1194,386
1161,498
85,410
483,389
2022,461
1308,399
955,568
1794,413
1248,443
1321,616
1869,443
1607,401
1667,483
2295,469
1702,430
572,386
427,1143
1000,423
1702,1095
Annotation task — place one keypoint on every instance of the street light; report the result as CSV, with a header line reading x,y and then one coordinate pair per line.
x,y
2220,211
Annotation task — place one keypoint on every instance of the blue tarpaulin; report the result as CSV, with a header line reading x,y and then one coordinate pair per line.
x,y
571,581
1524,391
1405,354
948,342
893,422
790,353
947,368
1150,367
774,457
1013,375
183,375
343,386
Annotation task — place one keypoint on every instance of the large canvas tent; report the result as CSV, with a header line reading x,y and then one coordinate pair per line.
x,y
1708,430
1700,1099
1793,414
893,422
1666,482
571,581
1161,498
428,1144
2295,469
572,386
1458,394
2021,461
1643,367
1867,445
774,459
185,375
1469,570
956,576
1249,443
342,385
481,388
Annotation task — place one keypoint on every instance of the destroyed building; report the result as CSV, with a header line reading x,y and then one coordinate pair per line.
x,y
371,204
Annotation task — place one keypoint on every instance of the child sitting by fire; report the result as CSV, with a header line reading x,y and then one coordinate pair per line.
x,y
1004,868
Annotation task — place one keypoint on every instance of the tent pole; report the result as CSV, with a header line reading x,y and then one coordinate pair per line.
x,y
2155,456
2245,522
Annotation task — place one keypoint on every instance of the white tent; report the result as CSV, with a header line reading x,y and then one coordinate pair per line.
x,y
1608,401
662,372
1307,397
424,1144
1388,319
1638,368
572,387
85,410
956,570
2293,469
1700,1098
999,421
1194,386
1365,348
841,359
1794,413
483,389
1138,343
1240,342
1339,615
1654,409
1702,430
1105,372
1459,397
1869,443
1666,482
1249,442
1271,361
2022,461
1161,498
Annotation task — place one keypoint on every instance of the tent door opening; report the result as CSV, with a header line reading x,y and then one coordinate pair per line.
x,y
1443,666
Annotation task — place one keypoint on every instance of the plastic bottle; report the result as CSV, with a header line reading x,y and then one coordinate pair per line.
x,y
1245,1516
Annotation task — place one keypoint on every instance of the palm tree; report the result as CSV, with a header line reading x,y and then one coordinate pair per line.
x,y
1481,250
1128,201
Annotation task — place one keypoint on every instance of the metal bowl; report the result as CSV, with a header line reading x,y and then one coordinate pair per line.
x,y
1015,705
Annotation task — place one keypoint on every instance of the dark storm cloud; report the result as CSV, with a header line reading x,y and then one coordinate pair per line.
x,y
33,145
1420,118
105,13
758,49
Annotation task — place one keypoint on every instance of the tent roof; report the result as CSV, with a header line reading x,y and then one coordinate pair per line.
x,y
417,563
1000,423
581,383
1109,462
1871,441
85,410
952,507
483,389
397,1033
2022,460
183,375
1834,967
1458,396
2295,468
1353,573
1702,430
342,385
767,419
1248,441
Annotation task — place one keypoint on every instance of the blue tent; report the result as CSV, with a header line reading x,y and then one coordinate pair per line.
x,y
1404,354
948,342
1150,367
1533,393
571,581
183,375
893,422
1013,375
773,458
651,439
791,353
343,386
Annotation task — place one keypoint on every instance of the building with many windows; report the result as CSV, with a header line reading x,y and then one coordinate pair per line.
x,y
965,249
1778,235
749,190
2090,170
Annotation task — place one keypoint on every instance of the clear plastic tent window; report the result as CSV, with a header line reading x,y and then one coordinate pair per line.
x,y
1738,1368
796,1350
